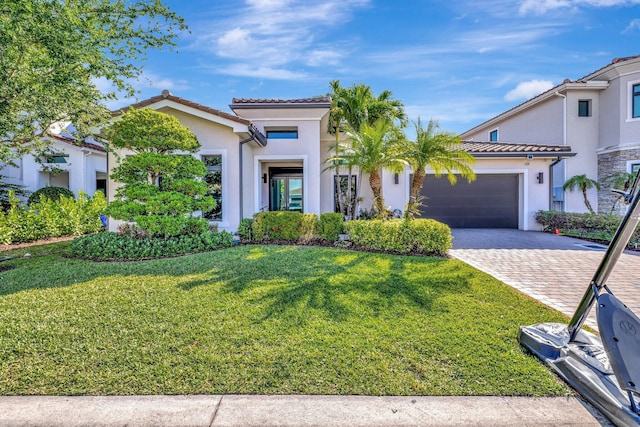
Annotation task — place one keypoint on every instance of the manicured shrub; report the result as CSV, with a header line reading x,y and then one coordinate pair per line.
x,y
48,218
308,226
50,192
330,226
114,246
419,236
585,225
244,229
161,186
278,226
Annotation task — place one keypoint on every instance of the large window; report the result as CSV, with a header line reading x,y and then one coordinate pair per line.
x,y
635,101
344,196
584,108
493,135
214,185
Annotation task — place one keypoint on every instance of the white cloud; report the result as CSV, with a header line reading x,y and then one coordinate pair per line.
x,y
277,36
268,4
152,80
526,90
249,70
541,7
633,25
324,57
235,43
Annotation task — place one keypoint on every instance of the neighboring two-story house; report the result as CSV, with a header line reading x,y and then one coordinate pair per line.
x,y
597,115
68,164
271,155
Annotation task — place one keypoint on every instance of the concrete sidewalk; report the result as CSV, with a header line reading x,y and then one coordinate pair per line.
x,y
243,410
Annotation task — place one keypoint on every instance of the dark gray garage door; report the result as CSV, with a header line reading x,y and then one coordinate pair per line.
x,y
491,201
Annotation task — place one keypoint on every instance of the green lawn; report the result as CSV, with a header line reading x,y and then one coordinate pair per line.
x,y
264,319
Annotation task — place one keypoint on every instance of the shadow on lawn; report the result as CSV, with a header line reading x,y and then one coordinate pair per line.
x,y
340,283
337,283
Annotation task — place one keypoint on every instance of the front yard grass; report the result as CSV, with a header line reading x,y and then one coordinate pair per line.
x,y
267,320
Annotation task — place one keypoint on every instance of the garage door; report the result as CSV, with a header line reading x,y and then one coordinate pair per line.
x,y
491,201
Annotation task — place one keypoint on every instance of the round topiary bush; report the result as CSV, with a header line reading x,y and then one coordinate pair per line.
x,y
50,192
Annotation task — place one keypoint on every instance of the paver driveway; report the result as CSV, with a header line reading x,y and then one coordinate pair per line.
x,y
553,269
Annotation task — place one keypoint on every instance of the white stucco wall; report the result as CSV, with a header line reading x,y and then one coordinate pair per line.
x,y
79,171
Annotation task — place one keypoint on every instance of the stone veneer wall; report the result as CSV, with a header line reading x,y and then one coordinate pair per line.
x,y
608,164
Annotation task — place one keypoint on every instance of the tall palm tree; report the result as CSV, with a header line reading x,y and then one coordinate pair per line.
x,y
351,108
583,183
373,149
357,105
438,150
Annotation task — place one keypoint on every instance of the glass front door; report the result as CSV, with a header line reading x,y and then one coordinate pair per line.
x,y
285,191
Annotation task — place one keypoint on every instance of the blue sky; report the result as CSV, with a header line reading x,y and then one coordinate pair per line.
x,y
457,61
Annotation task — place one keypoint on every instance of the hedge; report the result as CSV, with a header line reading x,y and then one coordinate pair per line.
x,y
49,192
585,225
48,218
114,246
419,236
330,226
283,226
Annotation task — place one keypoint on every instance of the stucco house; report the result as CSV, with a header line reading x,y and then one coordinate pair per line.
x,y
597,115
69,164
270,155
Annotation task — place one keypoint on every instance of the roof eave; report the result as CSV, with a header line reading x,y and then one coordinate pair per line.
x,y
526,155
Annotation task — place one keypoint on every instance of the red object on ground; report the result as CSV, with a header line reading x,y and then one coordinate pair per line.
x,y
556,231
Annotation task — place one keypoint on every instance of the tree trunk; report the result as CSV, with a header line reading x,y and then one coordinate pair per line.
x,y
414,192
586,202
586,199
376,188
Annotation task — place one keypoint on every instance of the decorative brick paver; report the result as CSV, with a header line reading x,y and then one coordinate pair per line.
x,y
555,270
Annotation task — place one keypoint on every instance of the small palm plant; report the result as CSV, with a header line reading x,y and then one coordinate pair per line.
x,y
583,183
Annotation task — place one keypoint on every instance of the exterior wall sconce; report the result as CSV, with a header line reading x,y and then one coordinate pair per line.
x,y
264,178
540,178
396,178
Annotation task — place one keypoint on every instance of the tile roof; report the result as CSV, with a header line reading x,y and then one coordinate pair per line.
x,y
613,62
168,95
503,147
313,100
84,144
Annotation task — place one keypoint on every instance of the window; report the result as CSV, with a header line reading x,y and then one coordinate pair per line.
x,y
213,178
56,158
635,101
635,167
493,135
283,134
584,108
341,199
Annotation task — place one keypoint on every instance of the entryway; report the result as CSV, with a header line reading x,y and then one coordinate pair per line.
x,y
285,189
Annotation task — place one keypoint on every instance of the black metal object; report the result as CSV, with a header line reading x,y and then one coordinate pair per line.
x,y
605,370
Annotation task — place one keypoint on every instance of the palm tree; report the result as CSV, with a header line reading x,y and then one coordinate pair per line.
x,y
438,150
583,183
357,105
351,108
373,149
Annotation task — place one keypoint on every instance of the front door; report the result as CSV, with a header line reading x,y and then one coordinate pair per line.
x,y
285,189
